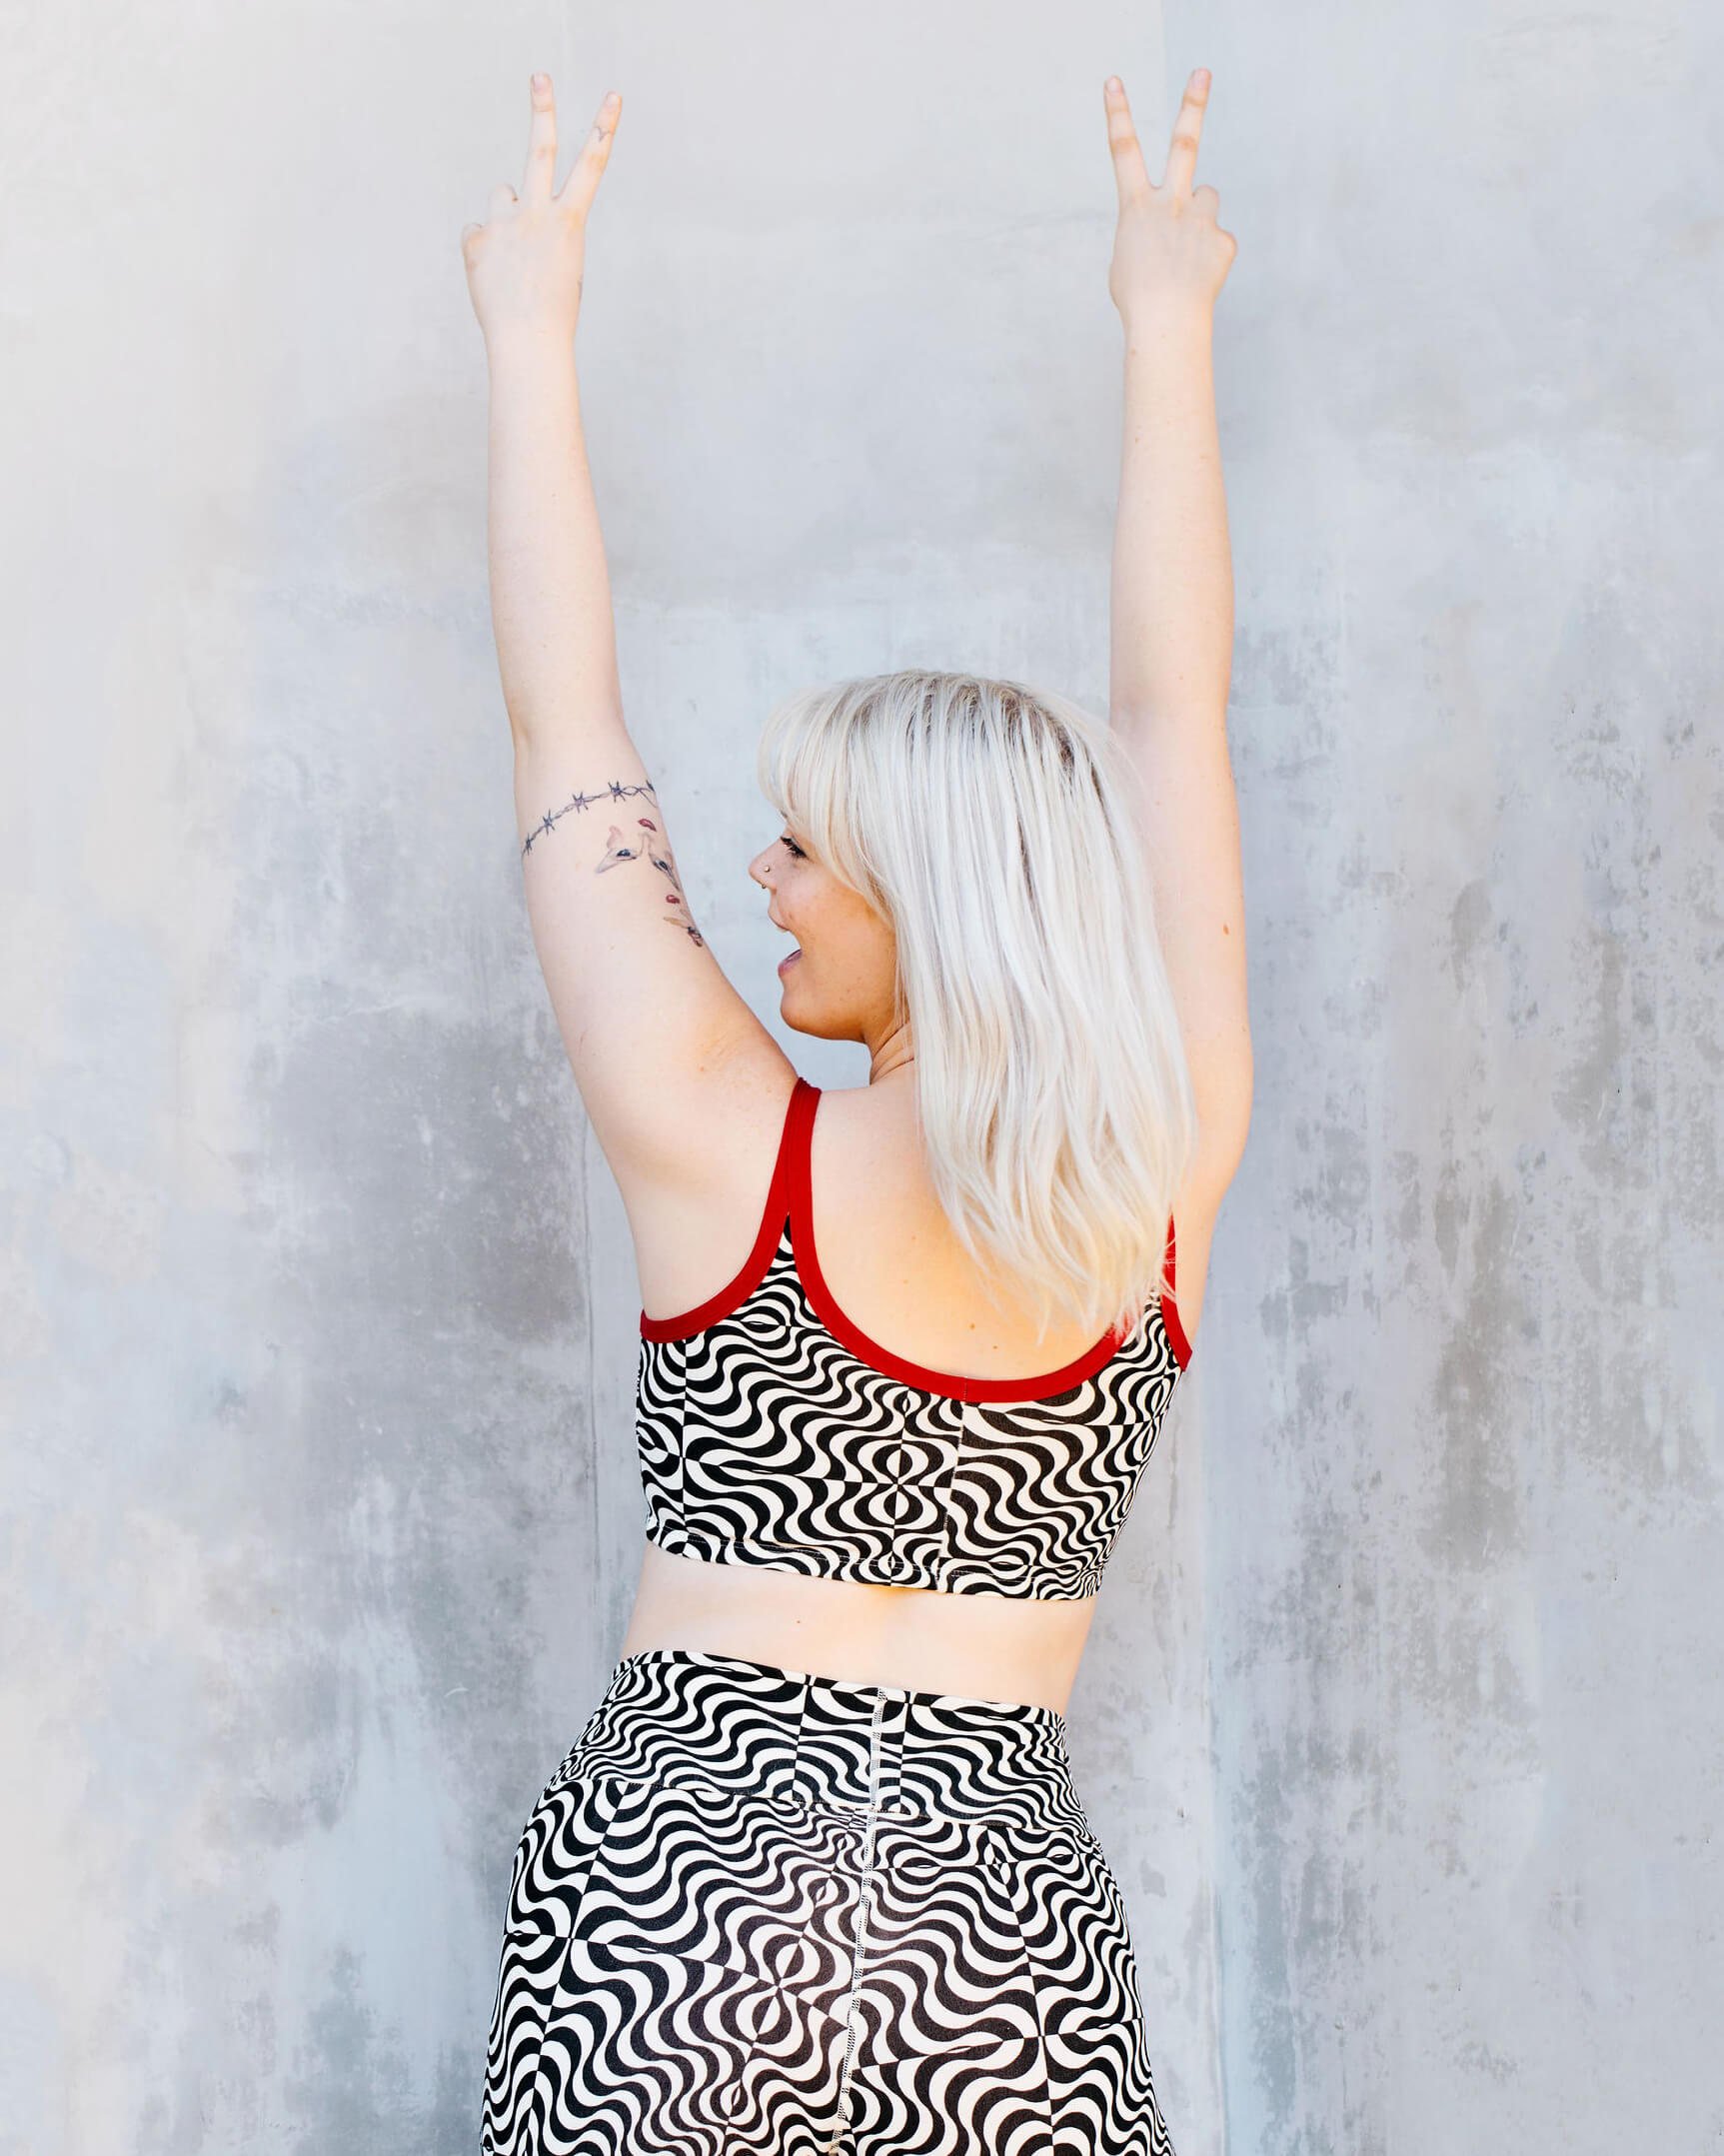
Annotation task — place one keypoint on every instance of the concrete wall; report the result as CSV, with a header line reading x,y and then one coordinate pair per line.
x,y
1462,1562
316,1306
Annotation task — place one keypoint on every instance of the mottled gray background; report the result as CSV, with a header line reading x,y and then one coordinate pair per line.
x,y
1403,1717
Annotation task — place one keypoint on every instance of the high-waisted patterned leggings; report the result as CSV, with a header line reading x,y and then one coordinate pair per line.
x,y
760,1911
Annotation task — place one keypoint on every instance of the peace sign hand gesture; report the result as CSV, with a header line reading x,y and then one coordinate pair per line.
x,y
525,263
1168,251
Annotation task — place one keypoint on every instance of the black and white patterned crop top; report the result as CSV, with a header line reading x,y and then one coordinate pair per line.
x,y
774,1433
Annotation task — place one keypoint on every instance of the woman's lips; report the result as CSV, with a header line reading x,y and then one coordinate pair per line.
x,y
790,960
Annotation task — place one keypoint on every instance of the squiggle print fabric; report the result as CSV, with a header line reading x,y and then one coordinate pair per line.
x,y
767,1439
766,1912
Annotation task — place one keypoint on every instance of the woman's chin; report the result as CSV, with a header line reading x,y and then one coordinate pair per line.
x,y
804,1015
792,1007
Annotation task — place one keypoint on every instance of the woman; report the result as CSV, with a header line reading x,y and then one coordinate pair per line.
x,y
815,1878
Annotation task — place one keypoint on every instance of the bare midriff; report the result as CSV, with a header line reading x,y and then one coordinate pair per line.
x,y
973,1646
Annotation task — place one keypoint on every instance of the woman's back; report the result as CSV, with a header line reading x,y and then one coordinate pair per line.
x,y
889,1255
779,1434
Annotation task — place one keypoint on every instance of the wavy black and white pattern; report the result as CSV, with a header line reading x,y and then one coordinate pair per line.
x,y
760,1911
764,1439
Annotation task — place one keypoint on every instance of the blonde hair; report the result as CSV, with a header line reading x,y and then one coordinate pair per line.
x,y
992,826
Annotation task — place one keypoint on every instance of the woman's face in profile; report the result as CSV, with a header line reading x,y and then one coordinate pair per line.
x,y
838,983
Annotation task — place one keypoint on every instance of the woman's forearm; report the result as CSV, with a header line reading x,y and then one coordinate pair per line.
x,y
550,587
1173,583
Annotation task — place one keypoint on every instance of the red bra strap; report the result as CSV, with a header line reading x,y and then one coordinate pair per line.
x,y
797,1155
1170,1312
792,1182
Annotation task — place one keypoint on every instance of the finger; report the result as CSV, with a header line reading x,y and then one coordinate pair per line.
x,y
1182,150
502,199
540,143
1130,174
469,240
595,154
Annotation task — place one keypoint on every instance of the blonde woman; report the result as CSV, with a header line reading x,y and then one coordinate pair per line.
x,y
814,1876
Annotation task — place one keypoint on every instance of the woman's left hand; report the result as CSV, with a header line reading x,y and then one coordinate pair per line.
x,y
525,263
1168,251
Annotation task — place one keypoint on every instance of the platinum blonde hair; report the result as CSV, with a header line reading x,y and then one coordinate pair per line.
x,y
991,824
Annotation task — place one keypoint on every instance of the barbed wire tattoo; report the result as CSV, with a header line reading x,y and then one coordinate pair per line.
x,y
616,790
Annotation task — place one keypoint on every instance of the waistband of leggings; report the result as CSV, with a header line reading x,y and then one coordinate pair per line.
x,y
685,1716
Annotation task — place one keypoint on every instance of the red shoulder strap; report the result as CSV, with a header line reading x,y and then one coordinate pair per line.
x,y
796,1151
1170,1312
793,1157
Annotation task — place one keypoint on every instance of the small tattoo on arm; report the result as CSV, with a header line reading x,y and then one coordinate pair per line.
x,y
647,841
616,790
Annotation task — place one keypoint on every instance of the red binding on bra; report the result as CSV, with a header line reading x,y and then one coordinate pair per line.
x,y
790,1191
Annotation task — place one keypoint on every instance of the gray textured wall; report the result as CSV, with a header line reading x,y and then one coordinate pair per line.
x,y
316,1304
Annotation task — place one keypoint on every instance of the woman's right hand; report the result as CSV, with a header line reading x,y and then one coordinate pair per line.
x,y
525,263
1168,251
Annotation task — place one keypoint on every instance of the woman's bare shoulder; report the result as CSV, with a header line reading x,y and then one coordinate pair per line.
x,y
695,1223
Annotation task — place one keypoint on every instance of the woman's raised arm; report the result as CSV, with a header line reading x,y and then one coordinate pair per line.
x,y
1172,627
645,1012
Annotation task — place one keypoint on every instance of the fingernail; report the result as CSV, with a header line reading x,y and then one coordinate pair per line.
x,y
1113,83
1203,76
539,81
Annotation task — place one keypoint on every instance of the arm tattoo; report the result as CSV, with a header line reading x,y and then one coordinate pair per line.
x,y
645,843
653,844
616,790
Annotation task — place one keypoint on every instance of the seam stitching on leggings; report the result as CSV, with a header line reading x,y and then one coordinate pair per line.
x,y
863,1901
